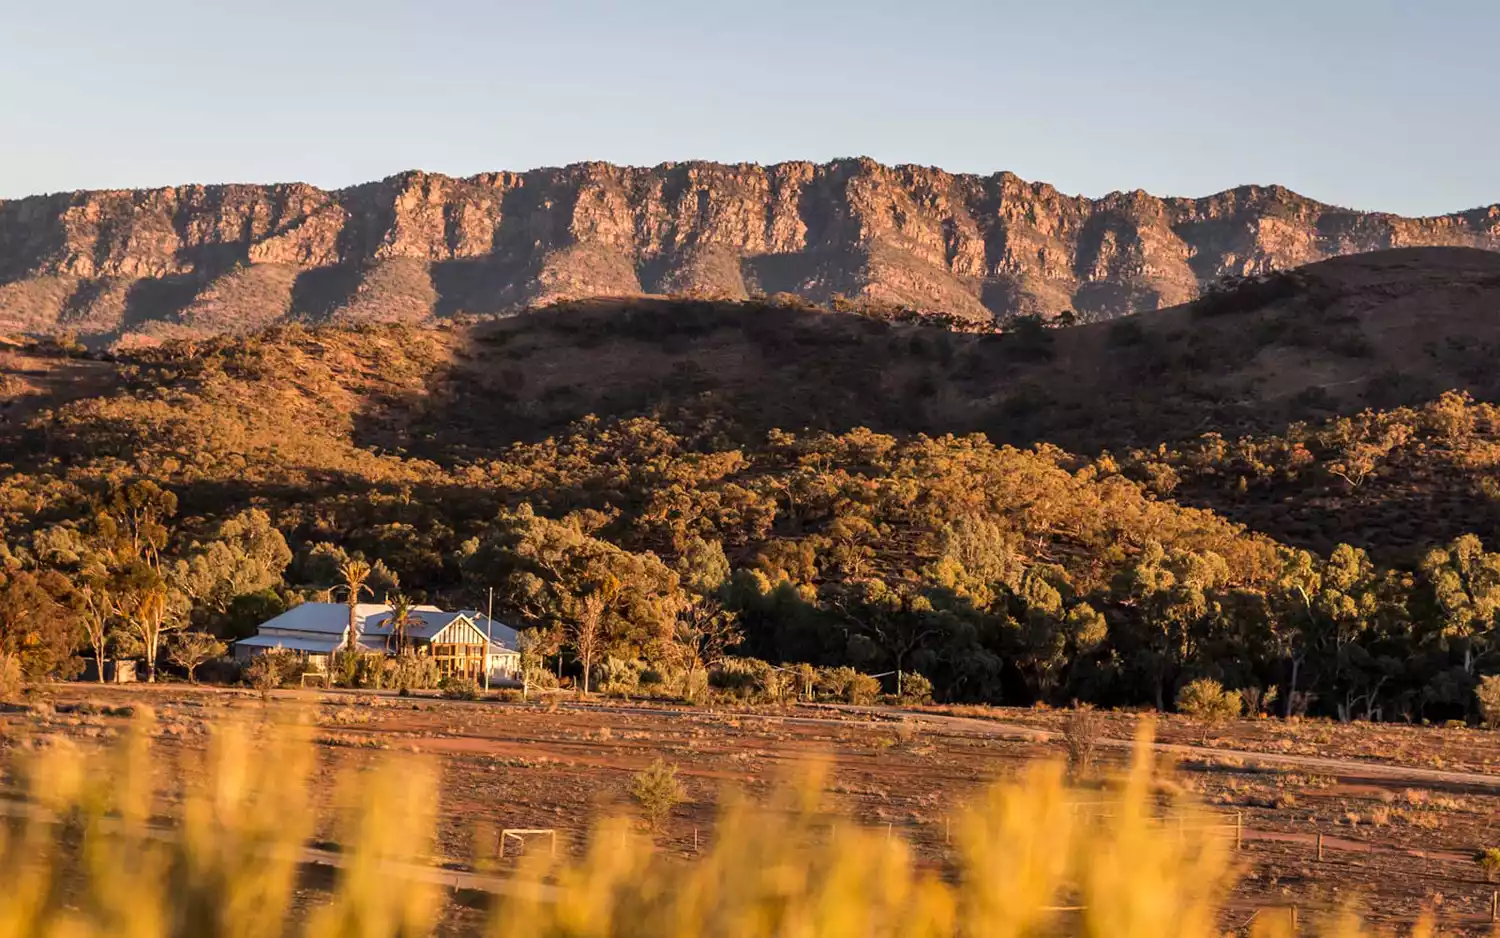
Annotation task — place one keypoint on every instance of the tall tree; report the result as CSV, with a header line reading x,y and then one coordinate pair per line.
x,y
1465,582
587,631
157,613
354,573
96,611
399,622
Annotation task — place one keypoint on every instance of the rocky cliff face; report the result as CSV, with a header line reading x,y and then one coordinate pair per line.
x,y
196,259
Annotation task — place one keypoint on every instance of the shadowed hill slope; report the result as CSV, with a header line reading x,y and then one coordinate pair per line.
x,y
1255,394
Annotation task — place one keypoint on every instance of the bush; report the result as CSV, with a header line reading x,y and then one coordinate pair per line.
x,y
1489,860
369,670
745,679
848,686
1082,733
657,790
11,678
264,671
1488,695
409,673
458,687
615,677
915,689
541,679
1206,699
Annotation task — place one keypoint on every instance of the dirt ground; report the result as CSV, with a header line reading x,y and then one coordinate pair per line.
x,y
1396,845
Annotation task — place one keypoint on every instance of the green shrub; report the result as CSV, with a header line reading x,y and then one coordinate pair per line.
x,y
915,689
744,679
1206,699
615,677
1488,859
847,686
458,687
657,790
11,678
410,672
264,673
1488,695
541,679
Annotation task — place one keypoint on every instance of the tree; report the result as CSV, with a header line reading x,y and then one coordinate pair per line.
x,y
1465,582
657,790
1207,700
399,622
138,512
587,631
705,632
96,611
1488,696
156,614
248,555
38,622
189,650
354,573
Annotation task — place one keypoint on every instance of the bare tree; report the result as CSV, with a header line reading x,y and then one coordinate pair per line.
x,y
587,632
98,608
704,633
189,650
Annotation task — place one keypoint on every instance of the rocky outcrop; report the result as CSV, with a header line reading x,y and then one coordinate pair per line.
x,y
199,259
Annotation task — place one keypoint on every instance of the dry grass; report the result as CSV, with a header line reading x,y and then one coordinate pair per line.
x,y
227,864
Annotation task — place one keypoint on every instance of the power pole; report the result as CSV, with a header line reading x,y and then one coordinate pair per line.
x,y
489,617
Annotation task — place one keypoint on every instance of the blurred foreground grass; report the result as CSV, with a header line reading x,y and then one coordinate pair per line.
x,y
87,850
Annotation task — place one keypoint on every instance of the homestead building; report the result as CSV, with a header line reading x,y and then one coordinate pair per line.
x,y
455,641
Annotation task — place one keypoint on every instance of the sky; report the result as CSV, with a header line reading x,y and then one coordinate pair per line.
x,y
1384,105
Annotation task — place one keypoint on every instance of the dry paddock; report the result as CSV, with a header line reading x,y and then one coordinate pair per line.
x,y
1397,846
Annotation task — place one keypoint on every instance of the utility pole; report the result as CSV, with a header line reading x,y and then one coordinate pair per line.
x,y
489,618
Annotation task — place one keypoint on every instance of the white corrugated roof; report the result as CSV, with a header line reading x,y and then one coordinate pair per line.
x,y
324,626
323,617
317,646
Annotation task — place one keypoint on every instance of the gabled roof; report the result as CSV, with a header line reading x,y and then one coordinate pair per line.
x,y
500,633
324,626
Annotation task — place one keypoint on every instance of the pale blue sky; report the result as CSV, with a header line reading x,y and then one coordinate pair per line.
x,y
1376,104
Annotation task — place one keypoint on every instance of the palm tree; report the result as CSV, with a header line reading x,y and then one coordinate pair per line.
x,y
355,573
399,623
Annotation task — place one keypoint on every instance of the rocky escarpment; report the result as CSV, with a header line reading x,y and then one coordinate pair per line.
x,y
201,259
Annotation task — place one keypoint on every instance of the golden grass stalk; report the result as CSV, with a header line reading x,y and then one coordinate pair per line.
x,y
93,848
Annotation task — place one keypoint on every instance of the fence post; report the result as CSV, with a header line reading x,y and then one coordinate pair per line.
x,y
1320,846
1239,830
947,829
1294,920
1494,905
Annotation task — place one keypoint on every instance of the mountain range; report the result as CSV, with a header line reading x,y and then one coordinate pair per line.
x,y
132,266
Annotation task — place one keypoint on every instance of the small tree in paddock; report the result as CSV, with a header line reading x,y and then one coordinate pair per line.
x,y
657,790
189,650
1081,734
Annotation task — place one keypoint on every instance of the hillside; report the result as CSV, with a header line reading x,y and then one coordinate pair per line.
x,y
813,468
194,261
405,403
